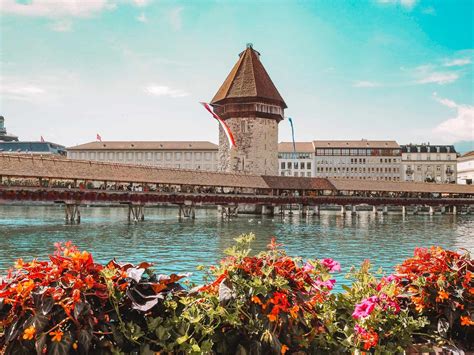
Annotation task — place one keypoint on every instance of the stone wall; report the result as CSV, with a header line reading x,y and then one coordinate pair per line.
x,y
256,149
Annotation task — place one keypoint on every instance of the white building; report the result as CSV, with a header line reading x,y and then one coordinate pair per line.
x,y
465,168
429,163
361,159
196,155
300,163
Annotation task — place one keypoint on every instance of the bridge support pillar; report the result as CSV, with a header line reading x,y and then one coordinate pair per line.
x,y
374,210
136,213
304,211
353,210
432,211
317,210
385,210
277,210
404,211
455,209
187,210
415,210
72,212
343,210
443,209
229,211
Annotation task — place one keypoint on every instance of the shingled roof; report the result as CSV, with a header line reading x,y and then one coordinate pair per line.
x,y
248,79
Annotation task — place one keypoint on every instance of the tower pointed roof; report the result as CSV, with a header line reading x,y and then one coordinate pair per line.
x,y
248,79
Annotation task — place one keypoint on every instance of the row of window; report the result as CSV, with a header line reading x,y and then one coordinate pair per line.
x,y
139,156
418,149
359,152
294,155
357,170
385,178
429,167
427,157
360,161
289,165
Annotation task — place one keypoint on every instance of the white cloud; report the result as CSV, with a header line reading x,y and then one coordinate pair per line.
x,y
457,128
62,25
56,8
175,17
457,62
162,90
20,91
429,74
141,3
142,18
365,84
407,4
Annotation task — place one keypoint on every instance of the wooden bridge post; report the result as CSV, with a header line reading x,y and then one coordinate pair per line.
x,y
72,213
304,211
343,210
317,211
136,212
415,210
455,210
353,210
374,210
385,210
404,210
431,211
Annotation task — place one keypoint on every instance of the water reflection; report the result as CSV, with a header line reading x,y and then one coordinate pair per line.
x,y
174,245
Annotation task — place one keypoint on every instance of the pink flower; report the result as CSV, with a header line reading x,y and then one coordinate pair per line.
x,y
331,265
365,308
359,330
307,267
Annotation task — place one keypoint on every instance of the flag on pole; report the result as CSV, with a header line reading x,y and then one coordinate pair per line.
x,y
224,125
42,139
293,137
98,137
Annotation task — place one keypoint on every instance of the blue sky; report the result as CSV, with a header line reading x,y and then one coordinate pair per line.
x,y
136,69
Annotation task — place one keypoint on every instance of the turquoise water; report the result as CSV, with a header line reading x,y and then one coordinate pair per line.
x,y
176,246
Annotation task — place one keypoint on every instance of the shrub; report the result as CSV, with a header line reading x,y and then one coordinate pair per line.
x,y
440,285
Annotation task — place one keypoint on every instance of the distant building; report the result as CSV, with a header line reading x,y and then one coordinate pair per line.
x,y
362,159
465,168
429,163
4,137
195,155
32,148
300,163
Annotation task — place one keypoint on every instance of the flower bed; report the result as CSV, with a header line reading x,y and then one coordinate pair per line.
x,y
251,304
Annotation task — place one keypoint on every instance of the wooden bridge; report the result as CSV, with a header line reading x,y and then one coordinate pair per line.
x,y
73,183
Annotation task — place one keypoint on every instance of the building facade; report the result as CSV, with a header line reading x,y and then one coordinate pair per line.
x,y
429,163
362,160
252,107
465,168
296,161
4,136
177,155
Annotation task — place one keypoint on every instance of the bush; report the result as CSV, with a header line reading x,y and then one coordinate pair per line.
x,y
252,304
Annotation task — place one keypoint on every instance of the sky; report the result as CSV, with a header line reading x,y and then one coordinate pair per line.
x,y
136,69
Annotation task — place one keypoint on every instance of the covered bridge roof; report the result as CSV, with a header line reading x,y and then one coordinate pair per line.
x,y
35,166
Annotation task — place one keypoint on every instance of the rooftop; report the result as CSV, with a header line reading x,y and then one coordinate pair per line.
x,y
248,79
34,166
363,143
301,147
146,145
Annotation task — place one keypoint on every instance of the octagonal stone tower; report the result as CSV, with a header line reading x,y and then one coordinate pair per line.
x,y
252,107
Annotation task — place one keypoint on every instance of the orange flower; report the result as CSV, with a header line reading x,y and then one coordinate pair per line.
x,y
272,317
442,295
89,281
74,345
29,333
57,335
76,295
294,311
284,349
466,321
256,299
19,264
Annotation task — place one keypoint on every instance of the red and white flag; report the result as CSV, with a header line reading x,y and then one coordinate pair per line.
x,y
99,138
42,139
224,125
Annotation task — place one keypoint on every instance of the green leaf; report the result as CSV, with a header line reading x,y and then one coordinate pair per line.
x,y
182,339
